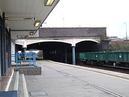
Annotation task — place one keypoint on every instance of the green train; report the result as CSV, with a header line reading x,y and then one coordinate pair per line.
x,y
111,58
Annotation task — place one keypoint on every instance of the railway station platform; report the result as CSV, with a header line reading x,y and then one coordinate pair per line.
x,y
65,80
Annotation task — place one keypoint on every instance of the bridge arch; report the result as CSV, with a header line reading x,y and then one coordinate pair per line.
x,y
29,42
87,46
53,50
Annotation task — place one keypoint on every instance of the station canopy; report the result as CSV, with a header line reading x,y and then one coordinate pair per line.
x,y
26,15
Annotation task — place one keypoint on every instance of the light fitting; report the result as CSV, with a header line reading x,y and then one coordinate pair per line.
x,y
48,2
37,23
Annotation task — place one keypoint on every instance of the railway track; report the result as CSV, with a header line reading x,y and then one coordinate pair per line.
x,y
107,67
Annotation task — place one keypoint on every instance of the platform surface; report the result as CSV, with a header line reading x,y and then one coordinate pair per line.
x,y
64,80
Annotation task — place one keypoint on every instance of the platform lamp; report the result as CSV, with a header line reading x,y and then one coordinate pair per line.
x,y
37,23
126,31
48,2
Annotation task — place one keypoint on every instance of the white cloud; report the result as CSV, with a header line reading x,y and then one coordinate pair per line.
x,y
107,13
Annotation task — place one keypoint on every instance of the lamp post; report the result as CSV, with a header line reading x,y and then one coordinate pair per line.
x,y
126,30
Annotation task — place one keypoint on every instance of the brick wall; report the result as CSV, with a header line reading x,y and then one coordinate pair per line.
x,y
72,32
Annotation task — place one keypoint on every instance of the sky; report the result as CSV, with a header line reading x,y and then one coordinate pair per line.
x,y
112,14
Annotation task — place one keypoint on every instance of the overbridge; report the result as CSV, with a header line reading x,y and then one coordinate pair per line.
x,y
64,44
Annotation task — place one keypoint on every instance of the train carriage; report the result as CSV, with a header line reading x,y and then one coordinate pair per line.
x,y
111,58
